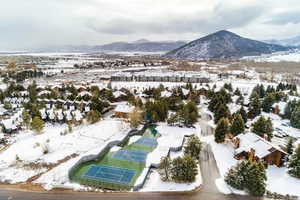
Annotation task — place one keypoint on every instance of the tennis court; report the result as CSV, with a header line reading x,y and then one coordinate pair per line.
x,y
110,174
147,141
131,155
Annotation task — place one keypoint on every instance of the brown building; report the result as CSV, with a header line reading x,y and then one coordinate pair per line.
x,y
251,146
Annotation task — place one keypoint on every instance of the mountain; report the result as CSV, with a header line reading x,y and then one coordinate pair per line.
x,y
223,44
294,42
140,45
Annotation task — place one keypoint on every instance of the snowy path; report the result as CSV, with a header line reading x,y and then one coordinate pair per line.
x,y
209,169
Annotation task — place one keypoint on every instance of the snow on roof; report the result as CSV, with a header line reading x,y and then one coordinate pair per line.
x,y
261,146
43,113
118,94
9,124
78,115
185,91
124,108
166,93
44,92
2,110
83,93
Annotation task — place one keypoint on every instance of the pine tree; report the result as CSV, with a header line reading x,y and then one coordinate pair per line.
x,y
263,127
237,126
222,130
240,100
249,176
268,102
294,164
37,125
222,112
193,147
26,118
295,117
243,113
255,179
184,169
255,107
237,92
289,108
289,146
189,114
165,168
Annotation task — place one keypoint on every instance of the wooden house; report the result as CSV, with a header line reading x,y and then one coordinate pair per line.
x,y
251,146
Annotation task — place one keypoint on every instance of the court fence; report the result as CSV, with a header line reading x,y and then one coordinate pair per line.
x,y
155,166
106,149
100,156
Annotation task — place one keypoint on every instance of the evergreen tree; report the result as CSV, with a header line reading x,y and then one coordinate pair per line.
x,y
189,114
222,112
165,168
263,127
295,117
249,176
237,126
289,108
294,164
37,125
254,107
237,92
255,179
243,113
222,130
193,147
184,169
240,100
289,146
26,118
267,103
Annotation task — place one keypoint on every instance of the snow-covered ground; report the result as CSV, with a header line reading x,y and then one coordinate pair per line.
x,y
277,57
28,149
278,179
170,137
155,184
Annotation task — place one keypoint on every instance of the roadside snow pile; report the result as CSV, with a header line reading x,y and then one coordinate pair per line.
x,y
155,184
52,147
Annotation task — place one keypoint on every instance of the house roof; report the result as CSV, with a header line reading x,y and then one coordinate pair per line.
x,y
124,108
261,146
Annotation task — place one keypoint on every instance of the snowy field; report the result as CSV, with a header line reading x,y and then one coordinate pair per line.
x,y
28,149
277,57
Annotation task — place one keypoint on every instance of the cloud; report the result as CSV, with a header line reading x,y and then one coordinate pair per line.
x,y
222,16
36,23
286,17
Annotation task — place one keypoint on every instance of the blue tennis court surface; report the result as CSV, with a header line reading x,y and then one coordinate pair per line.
x,y
110,174
147,141
131,155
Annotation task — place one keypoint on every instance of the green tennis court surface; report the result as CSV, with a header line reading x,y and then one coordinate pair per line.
x,y
131,155
110,174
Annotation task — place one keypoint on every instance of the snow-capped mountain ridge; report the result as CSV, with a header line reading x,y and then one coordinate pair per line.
x,y
223,44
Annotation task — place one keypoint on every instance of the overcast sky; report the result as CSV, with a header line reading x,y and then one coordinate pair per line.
x,y
39,23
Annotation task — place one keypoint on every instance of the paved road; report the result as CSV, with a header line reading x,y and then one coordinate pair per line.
x,y
209,190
